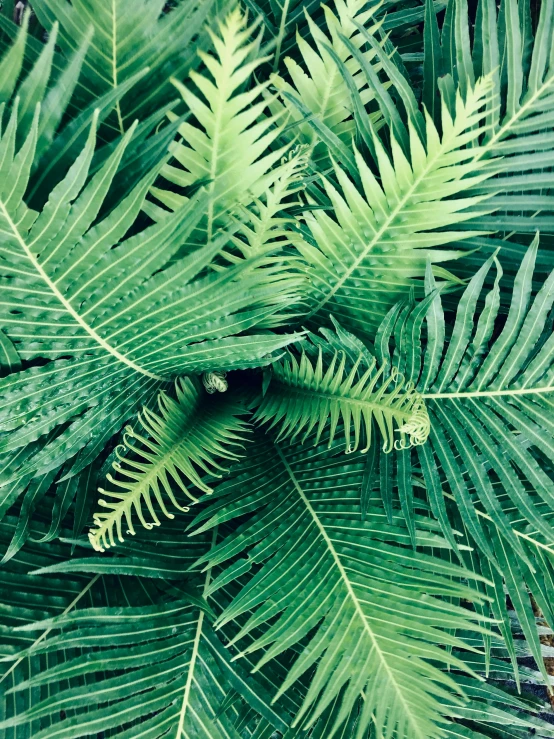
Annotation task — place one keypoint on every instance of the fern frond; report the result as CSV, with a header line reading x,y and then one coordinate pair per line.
x,y
229,141
154,669
346,586
489,395
519,116
380,239
301,396
267,221
171,449
130,36
318,83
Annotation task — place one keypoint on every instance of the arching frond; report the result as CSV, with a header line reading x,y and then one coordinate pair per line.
x,y
345,585
160,675
301,396
168,450
34,73
145,657
360,261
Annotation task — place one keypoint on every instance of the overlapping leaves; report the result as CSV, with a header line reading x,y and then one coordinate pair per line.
x,y
383,231
352,586
125,37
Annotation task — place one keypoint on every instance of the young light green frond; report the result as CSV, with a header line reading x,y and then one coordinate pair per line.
x,y
302,395
345,586
174,448
228,141
381,237
318,83
267,221
373,508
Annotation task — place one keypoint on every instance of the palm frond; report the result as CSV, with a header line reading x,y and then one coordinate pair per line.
x,y
367,602
167,450
380,239
301,396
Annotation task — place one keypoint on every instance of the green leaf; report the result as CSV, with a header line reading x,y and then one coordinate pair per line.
x,y
120,29
228,140
344,582
381,237
169,449
302,396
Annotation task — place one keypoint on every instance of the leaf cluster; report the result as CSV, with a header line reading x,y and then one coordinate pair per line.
x,y
269,467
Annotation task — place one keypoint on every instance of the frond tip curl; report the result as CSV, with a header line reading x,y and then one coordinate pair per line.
x,y
178,445
302,396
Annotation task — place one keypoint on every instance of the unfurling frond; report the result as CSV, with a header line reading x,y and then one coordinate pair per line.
x,y
114,314
302,396
177,446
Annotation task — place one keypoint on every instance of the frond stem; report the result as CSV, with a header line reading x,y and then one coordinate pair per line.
x,y
490,393
195,648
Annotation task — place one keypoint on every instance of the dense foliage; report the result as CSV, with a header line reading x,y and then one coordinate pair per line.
x,y
276,369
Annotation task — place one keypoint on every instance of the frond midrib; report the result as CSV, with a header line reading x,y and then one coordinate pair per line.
x,y
348,399
195,650
489,393
67,305
504,130
350,591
